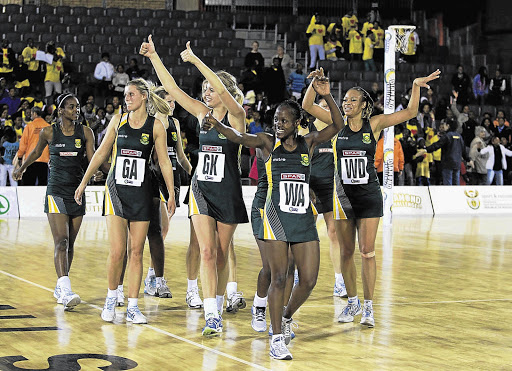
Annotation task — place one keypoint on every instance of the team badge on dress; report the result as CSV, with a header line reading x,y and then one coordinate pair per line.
x,y
221,136
78,143
366,138
304,159
144,138
174,136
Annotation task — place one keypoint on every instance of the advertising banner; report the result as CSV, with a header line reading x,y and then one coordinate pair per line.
x,y
477,200
8,203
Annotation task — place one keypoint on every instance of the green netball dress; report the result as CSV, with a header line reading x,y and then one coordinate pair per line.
x,y
66,172
357,191
259,197
322,175
172,143
128,192
288,215
216,188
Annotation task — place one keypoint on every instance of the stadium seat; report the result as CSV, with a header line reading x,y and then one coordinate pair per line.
x,y
87,20
370,76
257,21
90,48
178,14
237,43
52,19
154,23
238,62
203,24
79,58
63,10
195,34
116,59
24,28
18,46
242,20
97,11
213,35
146,13
113,12
14,36
229,53
46,37
178,32
144,31
126,49
194,15
127,30
209,16
101,39
137,22
70,48
65,38
118,39
129,12
170,24
84,38
34,18
40,28
18,18
162,13
12,8
79,11
5,26
111,30
134,40
219,25
46,9
94,29
120,21
186,24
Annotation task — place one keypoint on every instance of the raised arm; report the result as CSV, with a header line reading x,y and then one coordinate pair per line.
x,y
381,122
235,110
180,154
45,137
164,163
308,103
195,107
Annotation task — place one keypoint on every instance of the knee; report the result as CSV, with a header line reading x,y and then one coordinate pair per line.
x,y
279,280
367,252
347,252
62,245
331,233
208,254
136,253
309,282
265,272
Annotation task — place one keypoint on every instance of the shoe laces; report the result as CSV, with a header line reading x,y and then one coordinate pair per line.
x,y
280,345
133,311
367,311
288,327
110,303
260,314
236,295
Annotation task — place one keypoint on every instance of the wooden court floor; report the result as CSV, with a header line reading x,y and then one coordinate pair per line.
x,y
443,301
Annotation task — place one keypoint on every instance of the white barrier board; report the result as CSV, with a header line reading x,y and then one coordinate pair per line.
x,y
477,200
8,203
412,201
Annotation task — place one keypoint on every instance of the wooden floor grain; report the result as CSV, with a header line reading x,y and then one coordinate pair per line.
x,y
442,301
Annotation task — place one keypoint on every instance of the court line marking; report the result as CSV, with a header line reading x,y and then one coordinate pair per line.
x,y
177,337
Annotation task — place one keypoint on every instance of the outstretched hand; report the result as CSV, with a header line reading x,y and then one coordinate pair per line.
x,y
147,48
316,73
188,55
321,83
422,82
209,122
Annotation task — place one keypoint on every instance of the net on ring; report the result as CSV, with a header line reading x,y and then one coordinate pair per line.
x,y
402,35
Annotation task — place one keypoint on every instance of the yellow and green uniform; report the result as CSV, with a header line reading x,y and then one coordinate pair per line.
x,y
357,191
66,172
216,187
128,191
288,215
259,197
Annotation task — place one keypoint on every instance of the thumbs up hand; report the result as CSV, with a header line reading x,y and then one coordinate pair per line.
x,y
147,49
188,55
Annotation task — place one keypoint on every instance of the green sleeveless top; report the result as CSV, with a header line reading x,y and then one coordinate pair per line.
x,y
322,162
66,161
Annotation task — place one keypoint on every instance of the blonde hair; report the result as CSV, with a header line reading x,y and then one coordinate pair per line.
x,y
230,84
154,103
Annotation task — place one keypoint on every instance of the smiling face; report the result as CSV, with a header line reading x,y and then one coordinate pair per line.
x,y
70,109
172,103
134,98
285,124
210,97
353,103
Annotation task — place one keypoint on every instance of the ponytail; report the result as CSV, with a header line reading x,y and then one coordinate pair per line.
x,y
154,102
368,110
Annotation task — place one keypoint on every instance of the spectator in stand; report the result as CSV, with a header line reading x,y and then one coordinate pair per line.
x,y
4,91
501,114
507,173
116,104
19,128
453,151
378,50
297,82
501,131
274,83
103,73
413,43
10,146
349,21
53,74
423,161
481,86
37,173
368,25
285,61
426,117
254,59
498,88
398,160
29,58
89,99
355,45
478,175
430,98
409,149
134,71
21,76
252,79
101,126
109,111
461,117
316,32
256,126
461,83
89,115
333,48
369,44
489,128
120,80
7,62
496,162
12,101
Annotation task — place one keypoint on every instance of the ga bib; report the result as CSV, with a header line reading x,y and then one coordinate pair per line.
x,y
130,171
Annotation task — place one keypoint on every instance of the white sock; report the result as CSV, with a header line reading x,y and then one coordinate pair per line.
x,y
231,288
210,307
64,282
368,303
151,272
339,278
111,293
352,300
191,284
259,302
120,287
133,302
159,281
220,303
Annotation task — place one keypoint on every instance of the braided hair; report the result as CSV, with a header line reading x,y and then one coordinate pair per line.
x,y
368,110
296,111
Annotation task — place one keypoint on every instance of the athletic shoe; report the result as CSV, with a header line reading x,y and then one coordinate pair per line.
x,y
278,349
69,299
259,321
109,309
235,302
57,294
163,290
340,290
367,317
150,285
270,332
213,326
350,310
120,297
193,299
133,314
286,329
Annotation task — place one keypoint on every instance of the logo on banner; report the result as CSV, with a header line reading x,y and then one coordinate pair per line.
x,y
472,199
407,200
388,160
387,40
4,205
389,98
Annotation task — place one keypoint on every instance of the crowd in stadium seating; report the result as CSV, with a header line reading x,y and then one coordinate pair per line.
x,y
481,110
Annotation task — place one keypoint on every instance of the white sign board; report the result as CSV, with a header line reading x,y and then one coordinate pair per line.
x,y
412,201
476,200
8,203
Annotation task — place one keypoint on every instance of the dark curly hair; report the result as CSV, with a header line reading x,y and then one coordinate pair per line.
x,y
296,110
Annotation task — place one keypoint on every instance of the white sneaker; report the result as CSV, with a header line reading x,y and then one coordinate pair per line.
x,y
120,297
286,329
340,290
367,317
235,302
259,321
108,314
163,290
57,294
133,314
150,285
193,299
278,349
350,310
69,299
